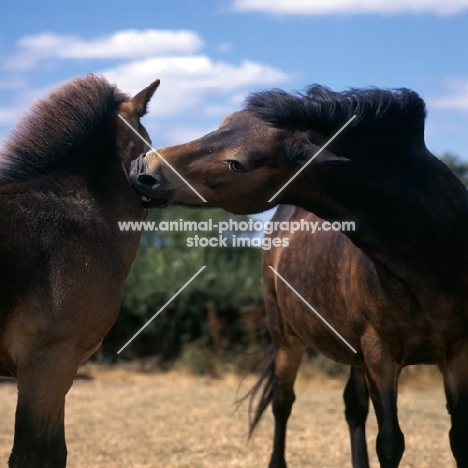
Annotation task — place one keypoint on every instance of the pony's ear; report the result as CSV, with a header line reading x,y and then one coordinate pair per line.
x,y
323,157
300,150
140,101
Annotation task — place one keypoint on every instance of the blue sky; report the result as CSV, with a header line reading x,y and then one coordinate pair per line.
x,y
210,54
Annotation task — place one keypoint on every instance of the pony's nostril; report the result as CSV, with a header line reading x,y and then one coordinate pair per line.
x,y
146,179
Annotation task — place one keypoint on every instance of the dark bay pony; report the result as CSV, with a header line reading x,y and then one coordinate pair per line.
x,y
396,288
63,188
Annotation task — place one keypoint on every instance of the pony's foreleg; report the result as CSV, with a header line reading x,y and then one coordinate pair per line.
x,y
456,390
382,378
356,398
288,360
43,381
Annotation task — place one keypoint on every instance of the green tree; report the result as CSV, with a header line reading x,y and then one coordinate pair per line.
x,y
458,166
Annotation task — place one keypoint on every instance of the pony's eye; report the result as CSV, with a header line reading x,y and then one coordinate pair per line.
x,y
236,166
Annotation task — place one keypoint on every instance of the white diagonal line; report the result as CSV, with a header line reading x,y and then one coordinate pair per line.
x,y
312,309
311,159
157,152
161,309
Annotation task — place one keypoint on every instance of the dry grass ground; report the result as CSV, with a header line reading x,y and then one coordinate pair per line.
x,y
129,420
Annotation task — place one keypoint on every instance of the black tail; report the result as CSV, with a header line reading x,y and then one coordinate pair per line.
x,y
266,384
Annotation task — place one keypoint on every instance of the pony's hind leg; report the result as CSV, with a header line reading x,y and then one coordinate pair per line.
x,y
288,360
43,382
356,398
456,390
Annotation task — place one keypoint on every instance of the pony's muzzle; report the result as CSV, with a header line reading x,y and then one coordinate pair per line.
x,y
143,177
147,186
138,175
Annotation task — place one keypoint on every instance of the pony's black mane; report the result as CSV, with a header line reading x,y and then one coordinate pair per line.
x,y
64,129
324,110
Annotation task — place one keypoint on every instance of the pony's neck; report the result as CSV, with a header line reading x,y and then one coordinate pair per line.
x,y
411,218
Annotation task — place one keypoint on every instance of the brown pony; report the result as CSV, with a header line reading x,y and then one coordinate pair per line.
x,y
63,188
396,288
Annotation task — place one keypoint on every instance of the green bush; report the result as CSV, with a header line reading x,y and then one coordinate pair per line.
x,y
232,279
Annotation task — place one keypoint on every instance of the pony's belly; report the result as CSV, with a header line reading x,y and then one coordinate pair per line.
x,y
423,355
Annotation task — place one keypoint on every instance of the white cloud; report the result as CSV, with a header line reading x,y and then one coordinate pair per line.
x,y
234,102
20,98
12,82
186,82
177,135
225,47
321,7
193,85
128,44
7,115
454,98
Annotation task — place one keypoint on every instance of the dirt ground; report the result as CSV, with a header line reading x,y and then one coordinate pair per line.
x,y
124,419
